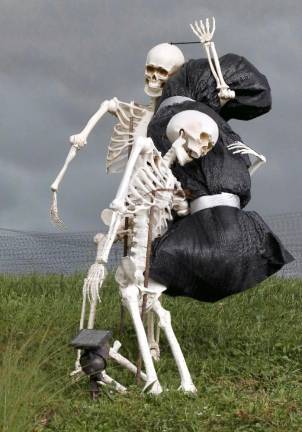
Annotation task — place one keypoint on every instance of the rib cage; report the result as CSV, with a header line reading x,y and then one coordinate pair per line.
x,y
133,120
153,184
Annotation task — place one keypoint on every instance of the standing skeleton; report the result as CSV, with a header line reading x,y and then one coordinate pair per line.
x,y
147,183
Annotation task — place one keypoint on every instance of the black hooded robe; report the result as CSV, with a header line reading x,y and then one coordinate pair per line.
x,y
218,251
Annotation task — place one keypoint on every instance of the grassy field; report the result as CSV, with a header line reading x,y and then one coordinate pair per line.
x,y
244,355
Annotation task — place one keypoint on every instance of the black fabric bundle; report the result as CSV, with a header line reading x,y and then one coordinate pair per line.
x,y
223,250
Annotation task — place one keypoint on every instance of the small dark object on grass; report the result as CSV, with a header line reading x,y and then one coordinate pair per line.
x,y
93,359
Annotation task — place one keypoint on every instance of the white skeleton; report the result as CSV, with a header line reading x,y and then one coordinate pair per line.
x,y
162,61
146,171
149,183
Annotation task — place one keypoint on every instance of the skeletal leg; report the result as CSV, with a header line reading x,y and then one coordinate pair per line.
x,y
165,323
106,379
123,361
130,296
153,344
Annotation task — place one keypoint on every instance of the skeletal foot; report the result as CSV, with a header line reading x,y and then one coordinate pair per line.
x,y
153,388
188,388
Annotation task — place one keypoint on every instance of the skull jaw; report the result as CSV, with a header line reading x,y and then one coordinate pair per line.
x,y
153,91
196,154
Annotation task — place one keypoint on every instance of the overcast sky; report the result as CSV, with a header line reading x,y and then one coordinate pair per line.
x,y
59,59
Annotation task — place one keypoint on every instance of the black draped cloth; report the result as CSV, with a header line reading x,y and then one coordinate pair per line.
x,y
223,250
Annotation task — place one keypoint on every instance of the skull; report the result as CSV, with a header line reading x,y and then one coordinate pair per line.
x,y
162,61
198,129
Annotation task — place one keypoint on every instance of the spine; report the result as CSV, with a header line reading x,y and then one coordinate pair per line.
x,y
138,248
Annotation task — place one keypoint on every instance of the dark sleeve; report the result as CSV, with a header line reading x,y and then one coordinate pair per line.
x,y
196,81
253,93
193,80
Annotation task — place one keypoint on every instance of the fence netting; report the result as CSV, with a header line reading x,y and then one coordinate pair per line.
x,y
66,253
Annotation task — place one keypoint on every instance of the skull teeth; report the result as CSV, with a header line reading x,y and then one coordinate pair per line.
x,y
155,84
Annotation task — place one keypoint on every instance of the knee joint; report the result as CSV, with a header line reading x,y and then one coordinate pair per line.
x,y
164,318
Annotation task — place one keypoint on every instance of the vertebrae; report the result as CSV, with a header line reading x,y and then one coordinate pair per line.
x,y
138,248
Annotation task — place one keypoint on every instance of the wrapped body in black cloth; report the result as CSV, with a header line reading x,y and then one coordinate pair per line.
x,y
222,250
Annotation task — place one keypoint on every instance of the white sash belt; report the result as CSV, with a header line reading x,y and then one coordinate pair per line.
x,y
208,201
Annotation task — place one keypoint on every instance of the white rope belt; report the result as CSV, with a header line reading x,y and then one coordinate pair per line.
x,y
208,201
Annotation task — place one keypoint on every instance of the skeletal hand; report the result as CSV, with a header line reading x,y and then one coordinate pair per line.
x,y
94,280
226,93
241,148
78,140
181,150
204,32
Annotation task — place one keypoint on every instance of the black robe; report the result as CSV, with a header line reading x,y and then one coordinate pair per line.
x,y
223,250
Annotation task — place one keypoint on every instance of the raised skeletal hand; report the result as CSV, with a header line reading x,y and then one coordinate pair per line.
x,y
204,32
240,148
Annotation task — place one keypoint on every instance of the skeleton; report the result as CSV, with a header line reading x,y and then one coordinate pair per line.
x,y
149,183
132,200
162,62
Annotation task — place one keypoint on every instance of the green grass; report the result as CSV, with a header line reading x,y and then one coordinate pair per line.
x,y
244,355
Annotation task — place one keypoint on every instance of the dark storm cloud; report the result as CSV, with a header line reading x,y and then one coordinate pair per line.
x,y
60,59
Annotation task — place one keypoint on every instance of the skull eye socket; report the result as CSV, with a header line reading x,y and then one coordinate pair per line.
x,y
161,71
150,69
206,137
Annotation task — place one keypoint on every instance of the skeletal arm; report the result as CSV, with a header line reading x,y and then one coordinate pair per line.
x,y
205,35
240,148
80,139
140,145
54,213
177,151
97,271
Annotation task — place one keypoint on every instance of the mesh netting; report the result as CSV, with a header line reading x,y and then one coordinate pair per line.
x,y
65,253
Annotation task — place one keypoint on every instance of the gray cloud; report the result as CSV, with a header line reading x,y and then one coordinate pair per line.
x,y
60,59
